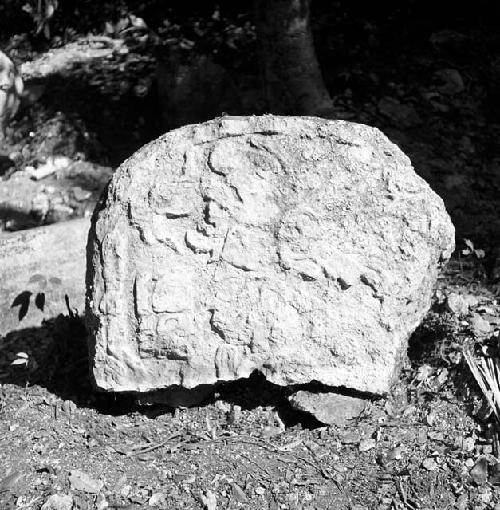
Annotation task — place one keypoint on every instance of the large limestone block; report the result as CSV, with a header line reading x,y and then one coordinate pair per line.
x,y
301,247
38,269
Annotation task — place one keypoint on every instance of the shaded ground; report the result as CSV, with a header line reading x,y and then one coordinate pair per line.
x,y
430,444
432,86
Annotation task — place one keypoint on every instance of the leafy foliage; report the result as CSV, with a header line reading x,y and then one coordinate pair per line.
x,y
41,11
471,250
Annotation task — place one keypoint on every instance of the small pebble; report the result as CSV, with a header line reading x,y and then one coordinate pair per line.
x,y
469,463
485,497
468,444
238,493
494,477
81,194
81,481
157,499
462,502
479,326
395,453
350,438
58,502
429,464
479,473
459,304
367,444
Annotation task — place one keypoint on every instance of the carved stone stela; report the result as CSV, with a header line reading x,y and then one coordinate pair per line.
x,y
304,248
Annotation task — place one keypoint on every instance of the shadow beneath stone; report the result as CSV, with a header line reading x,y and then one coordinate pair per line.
x,y
12,218
436,346
58,361
256,391
6,164
429,343
177,396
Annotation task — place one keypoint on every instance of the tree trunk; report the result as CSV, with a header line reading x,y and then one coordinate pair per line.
x,y
11,88
194,90
39,267
293,83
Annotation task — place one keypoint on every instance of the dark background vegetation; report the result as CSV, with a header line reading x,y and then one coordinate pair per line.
x,y
384,64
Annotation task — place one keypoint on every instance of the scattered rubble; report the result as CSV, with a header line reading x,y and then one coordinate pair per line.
x,y
328,408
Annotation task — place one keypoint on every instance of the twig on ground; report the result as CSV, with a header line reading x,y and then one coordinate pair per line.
x,y
153,447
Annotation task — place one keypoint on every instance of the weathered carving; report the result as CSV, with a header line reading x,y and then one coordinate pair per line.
x,y
301,247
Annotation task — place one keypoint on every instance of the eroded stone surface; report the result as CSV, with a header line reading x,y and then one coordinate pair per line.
x,y
328,408
301,247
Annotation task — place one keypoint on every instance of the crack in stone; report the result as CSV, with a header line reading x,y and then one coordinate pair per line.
x,y
216,329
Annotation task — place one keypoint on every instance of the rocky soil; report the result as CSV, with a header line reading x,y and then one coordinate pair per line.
x,y
431,443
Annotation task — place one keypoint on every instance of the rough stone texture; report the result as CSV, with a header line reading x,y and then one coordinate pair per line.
x,y
301,247
58,502
45,261
328,408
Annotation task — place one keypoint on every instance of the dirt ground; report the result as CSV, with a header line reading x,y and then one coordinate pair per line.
x,y
431,444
